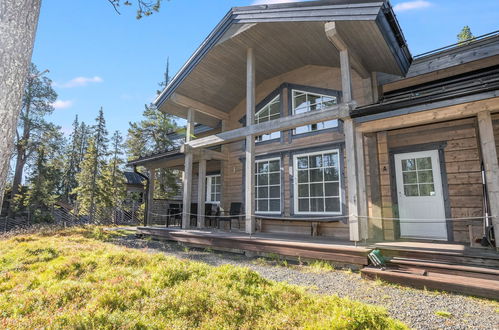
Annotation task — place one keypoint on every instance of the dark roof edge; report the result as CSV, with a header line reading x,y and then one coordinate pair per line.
x,y
154,157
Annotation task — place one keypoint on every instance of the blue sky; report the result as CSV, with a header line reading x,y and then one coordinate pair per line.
x,y
98,58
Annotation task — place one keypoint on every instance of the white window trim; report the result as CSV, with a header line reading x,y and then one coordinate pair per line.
x,y
293,107
295,182
208,188
280,185
278,96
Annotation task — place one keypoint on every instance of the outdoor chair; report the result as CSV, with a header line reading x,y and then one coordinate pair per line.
x,y
211,212
235,212
174,213
193,216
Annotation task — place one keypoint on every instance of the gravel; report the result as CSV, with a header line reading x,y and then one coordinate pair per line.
x,y
419,309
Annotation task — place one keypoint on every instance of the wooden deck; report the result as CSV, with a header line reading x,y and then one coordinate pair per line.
x,y
435,266
284,245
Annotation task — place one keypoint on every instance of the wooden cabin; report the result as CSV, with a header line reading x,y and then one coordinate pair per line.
x,y
317,119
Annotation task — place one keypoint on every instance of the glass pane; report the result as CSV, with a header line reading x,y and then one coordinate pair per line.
x,y
275,192
330,124
332,189
262,192
217,198
425,176
411,190
263,179
301,129
275,109
263,114
424,163
317,205
303,190
274,205
274,166
262,167
410,177
332,205
303,176
328,160
263,205
316,175
331,174
426,190
303,205
408,165
316,161
316,190
302,162
300,100
274,178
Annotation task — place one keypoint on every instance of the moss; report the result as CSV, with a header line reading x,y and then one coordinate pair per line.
x,y
73,279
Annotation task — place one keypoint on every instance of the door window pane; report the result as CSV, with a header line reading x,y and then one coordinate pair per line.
x,y
213,188
417,177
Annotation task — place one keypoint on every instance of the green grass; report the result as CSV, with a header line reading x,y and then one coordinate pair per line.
x,y
444,314
76,278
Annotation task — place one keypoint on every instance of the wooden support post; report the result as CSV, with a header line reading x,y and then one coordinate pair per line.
x,y
375,224
489,156
150,196
187,184
201,192
350,154
361,185
346,78
250,144
223,170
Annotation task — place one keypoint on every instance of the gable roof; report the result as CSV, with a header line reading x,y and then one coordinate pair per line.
x,y
284,37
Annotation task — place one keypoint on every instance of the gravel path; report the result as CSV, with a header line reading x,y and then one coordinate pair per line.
x,y
417,308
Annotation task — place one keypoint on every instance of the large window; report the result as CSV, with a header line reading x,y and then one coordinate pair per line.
x,y
213,185
317,183
269,111
305,102
268,186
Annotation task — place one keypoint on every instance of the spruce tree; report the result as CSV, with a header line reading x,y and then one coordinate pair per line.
x,y
464,35
44,179
72,160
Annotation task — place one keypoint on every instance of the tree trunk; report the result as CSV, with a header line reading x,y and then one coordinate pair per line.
x,y
18,22
18,175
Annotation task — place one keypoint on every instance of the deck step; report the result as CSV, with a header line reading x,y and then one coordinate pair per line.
x,y
417,278
466,257
445,268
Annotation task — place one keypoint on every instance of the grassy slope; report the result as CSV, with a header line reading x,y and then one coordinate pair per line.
x,y
73,278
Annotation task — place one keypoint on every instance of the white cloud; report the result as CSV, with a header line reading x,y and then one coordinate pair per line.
x,y
79,82
411,5
62,104
268,2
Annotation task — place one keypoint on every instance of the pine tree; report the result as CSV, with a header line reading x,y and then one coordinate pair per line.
x,y
152,135
464,35
36,104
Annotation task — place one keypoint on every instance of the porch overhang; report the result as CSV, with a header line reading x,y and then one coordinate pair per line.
x,y
284,37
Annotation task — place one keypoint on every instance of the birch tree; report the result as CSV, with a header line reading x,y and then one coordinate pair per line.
x,y
18,22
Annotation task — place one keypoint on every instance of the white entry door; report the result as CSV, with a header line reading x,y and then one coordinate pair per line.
x,y
420,195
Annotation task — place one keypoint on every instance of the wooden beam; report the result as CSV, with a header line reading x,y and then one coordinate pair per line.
x,y
187,179
150,195
208,154
375,225
249,205
361,185
187,192
198,106
430,116
201,193
281,124
489,156
340,44
350,155
346,77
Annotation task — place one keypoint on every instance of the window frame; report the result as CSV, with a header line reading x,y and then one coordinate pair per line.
x,y
315,91
268,185
266,102
209,179
296,183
